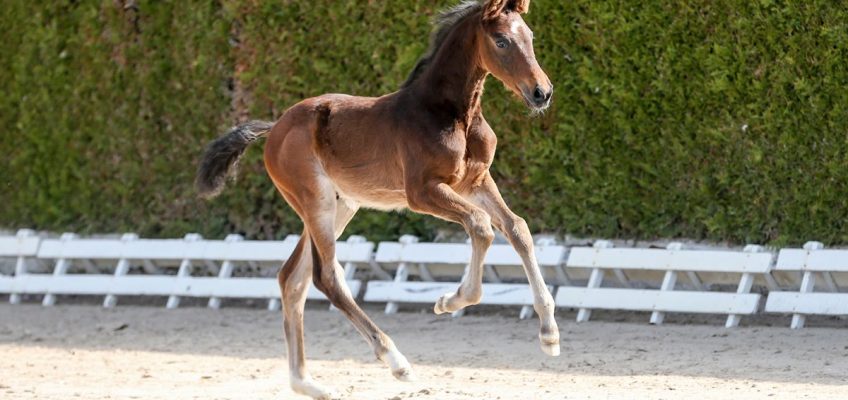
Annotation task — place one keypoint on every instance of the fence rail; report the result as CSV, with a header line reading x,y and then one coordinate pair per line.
x,y
411,272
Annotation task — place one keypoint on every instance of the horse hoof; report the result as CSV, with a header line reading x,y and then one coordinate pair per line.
x,y
328,395
404,375
308,387
441,305
551,349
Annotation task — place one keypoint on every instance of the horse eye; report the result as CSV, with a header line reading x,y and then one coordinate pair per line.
x,y
502,43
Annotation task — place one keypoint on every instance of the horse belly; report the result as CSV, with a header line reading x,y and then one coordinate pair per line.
x,y
378,198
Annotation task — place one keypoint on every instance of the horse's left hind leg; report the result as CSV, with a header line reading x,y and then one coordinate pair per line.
x,y
294,280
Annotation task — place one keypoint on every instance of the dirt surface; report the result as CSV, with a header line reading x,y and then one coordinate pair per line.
x,y
130,352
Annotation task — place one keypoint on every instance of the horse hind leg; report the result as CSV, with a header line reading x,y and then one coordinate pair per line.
x,y
294,280
328,277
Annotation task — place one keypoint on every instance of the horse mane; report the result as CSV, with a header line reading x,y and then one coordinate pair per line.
x,y
444,23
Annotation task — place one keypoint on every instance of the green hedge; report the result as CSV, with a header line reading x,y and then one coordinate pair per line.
x,y
714,119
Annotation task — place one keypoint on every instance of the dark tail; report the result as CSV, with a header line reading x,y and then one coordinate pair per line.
x,y
223,154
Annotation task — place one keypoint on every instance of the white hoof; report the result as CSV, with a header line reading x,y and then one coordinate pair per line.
x,y
441,306
401,369
308,387
405,375
551,349
549,339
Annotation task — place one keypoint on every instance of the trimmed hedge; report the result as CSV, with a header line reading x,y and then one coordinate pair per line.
x,y
721,119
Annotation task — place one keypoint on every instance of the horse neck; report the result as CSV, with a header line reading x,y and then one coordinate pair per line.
x,y
454,79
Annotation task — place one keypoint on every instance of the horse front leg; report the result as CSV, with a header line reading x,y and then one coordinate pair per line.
x,y
440,200
488,198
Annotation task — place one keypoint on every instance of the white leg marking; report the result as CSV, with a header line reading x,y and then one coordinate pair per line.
x,y
308,387
401,369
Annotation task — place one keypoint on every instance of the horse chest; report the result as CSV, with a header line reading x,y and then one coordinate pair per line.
x,y
469,162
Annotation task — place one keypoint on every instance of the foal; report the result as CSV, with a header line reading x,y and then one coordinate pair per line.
x,y
425,147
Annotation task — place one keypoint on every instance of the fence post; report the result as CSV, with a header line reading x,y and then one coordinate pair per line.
x,y
668,283
808,283
226,270
185,268
20,263
60,269
745,284
596,278
121,269
402,273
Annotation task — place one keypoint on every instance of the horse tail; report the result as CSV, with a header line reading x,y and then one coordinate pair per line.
x,y
222,155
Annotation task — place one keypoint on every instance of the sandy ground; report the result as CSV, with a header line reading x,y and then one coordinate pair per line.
x,y
130,352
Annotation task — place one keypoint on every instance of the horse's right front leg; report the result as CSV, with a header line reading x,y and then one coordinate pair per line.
x,y
440,200
489,198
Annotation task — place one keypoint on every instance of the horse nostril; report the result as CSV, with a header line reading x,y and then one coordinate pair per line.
x,y
539,95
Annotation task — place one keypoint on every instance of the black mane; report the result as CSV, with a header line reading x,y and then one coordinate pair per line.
x,y
444,22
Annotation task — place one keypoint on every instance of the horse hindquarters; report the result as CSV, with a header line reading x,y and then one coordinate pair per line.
x,y
303,182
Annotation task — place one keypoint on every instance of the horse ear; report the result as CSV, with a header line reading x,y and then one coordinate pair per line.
x,y
493,8
519,6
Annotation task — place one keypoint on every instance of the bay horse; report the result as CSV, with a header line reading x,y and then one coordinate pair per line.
x,y
426,147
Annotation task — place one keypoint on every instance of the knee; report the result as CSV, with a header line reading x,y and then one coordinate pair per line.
x,y
519,233
520,225
480,228
517,226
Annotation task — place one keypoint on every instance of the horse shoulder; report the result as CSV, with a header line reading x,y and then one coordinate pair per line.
x,y
481,142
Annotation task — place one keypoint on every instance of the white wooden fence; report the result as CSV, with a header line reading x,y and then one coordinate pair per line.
x,y
157,253
812,260
20,247
412,272
672,261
